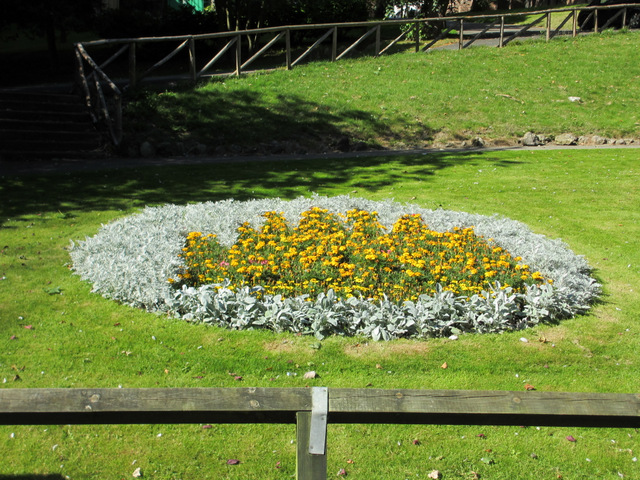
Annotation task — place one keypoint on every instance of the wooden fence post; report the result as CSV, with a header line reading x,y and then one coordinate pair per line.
x,y
501,44
118,120
334,47
461,39
311,461
548,26
133,79
238,54
192,59
288,48
308,466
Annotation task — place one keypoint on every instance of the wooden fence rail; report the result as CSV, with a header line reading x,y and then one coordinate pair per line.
x,y
311,409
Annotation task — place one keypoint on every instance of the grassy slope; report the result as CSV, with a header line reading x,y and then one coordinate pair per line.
x,y
587,198
412,99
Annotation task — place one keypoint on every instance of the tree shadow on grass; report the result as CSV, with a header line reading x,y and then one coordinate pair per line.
x,y
247,118
65,193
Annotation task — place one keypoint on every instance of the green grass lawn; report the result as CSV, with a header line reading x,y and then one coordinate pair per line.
x,y
412,100
588,198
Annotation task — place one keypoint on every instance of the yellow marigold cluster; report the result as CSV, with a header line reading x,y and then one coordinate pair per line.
x,y
355,256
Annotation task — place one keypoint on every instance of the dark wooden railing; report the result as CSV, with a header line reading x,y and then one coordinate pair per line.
x,y
311,409
107,108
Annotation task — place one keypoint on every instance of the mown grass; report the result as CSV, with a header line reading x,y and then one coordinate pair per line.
x,y
412,100
79,339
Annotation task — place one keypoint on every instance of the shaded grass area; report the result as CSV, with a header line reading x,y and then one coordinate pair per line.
x,y
411,100
78,339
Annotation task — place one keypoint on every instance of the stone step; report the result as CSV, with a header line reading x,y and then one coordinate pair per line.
x,y
46,125
60,135
40,97
53,145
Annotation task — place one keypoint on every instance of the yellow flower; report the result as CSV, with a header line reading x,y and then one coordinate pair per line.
x,y
405,262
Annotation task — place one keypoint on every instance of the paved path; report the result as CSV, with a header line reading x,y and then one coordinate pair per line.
x,y
491,38
64,166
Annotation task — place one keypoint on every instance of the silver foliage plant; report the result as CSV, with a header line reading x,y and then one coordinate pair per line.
x,y
130,260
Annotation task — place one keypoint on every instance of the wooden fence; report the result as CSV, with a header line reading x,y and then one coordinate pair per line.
x,y
311,409
107,108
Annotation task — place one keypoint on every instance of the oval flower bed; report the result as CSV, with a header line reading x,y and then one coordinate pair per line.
x,y
339,265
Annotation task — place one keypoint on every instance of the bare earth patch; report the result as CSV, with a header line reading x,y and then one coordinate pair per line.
x,y
290,346
387,349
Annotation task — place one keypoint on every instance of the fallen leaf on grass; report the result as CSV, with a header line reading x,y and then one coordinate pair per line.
x,y
416,441
342,473
528,386
233,461
571,438
137,473
435,475
504,95
310,375
444,365
29,327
